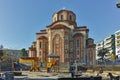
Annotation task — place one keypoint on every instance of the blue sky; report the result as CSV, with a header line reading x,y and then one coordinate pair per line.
x,y
21,19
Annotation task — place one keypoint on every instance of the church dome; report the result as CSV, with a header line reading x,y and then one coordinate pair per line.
x,y
64,15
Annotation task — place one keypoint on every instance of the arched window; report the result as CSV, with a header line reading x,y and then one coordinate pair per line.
x,y
39,53
61,17
55,19
40,44
70,17
78,43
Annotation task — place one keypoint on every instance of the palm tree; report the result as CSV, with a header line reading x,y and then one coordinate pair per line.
x,y
102,53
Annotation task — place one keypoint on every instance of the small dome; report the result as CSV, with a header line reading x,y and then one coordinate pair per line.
x,y
63,15
90,41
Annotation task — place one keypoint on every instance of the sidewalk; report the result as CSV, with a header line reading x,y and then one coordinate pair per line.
x,y
26,75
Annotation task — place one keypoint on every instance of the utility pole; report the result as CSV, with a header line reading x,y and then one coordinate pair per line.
x,y
118,4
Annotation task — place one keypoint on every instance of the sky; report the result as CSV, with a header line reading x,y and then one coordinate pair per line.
x,y
20,20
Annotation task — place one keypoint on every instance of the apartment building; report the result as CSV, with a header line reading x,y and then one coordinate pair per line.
x,y
99,46
117,43
107,43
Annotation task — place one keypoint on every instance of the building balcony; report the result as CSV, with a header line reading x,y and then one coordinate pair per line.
x,y
117,45
117,37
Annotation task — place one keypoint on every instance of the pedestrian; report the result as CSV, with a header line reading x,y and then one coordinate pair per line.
x,y
72,73
113,77
100,71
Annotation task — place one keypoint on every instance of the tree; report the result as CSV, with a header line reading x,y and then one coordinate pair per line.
x,y
23,52
3,57
118,4
6,57
102,53
1,53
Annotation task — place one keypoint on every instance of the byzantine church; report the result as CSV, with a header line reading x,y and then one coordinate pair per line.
x,y
64,39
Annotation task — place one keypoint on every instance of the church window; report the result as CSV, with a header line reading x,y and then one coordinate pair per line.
x,y
78,43
39,53
40,45
46,46
66,55
55,19
90,54
57,40
70,17
78,52
65,46
61,17
40,59
57,44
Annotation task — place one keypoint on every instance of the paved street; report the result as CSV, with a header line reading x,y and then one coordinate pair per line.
x,y
26,75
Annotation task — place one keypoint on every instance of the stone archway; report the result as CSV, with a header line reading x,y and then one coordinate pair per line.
x,y
43,48
79,47
57,45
